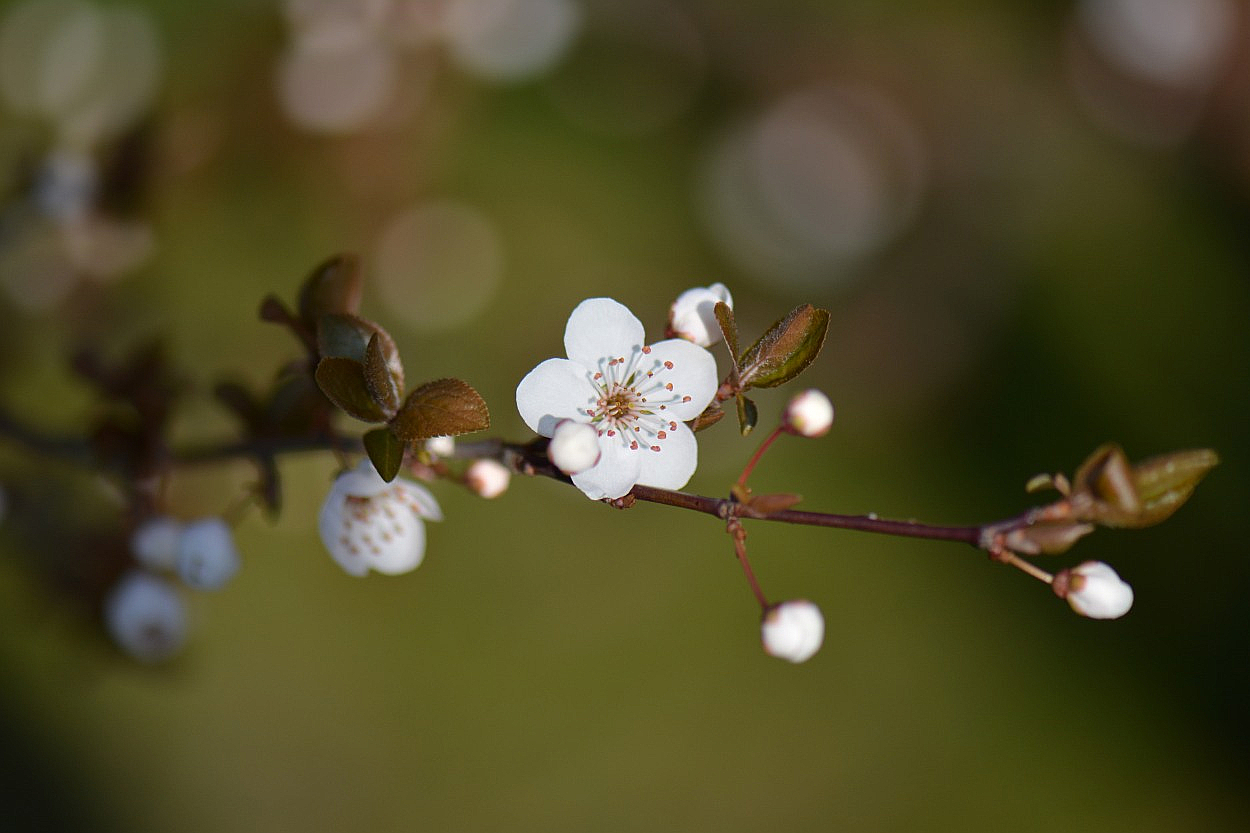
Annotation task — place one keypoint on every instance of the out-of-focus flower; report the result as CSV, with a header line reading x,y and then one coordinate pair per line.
x,y
207,556
154,542
574,446
809,414
793,630
635,395
693,315
488,478
145,617
1094,590
369,524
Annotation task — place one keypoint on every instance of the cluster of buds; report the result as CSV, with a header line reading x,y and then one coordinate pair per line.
x,y
144,612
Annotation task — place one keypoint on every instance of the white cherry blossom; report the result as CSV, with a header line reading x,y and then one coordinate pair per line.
x,y
636,396
369,524
693,315
207,557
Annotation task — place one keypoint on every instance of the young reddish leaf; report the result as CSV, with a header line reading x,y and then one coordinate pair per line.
x,y
333,287
1106,476
343,382
748,415
347,337
778,502
386,451
1165,482
786,349
729,329
380,376
711,415
445,407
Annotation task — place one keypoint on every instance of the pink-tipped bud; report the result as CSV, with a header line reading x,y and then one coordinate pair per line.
x,y
693,315
207,557
1094,590
574,446
145,617
809,414
488,478
793,630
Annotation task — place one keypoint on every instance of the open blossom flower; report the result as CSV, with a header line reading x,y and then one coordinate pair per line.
x,y
635,395
367,523
1094,590
693,314
145,617
793,630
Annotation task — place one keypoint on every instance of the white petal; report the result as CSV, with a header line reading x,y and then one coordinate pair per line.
x,y
557,389
615,473
406,549
424,504
693,315
693,374
671,466
601,328
362,481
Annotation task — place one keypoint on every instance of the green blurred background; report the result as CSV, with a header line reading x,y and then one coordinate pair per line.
x,y
1030,225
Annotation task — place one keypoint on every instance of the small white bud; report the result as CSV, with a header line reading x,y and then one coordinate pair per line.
x,y
145,617
441,446
574,446
809,414
207,556
793,630
154,542
1094,590
488,478
693,315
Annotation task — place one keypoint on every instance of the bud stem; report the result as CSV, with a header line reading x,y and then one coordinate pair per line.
x,y
734,527
755,458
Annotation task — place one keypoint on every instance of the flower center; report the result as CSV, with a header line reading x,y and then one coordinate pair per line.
x,y
630,398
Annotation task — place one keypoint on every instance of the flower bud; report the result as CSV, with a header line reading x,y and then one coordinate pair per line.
x,y
693,315
488,478
441,446
793,630
574,446
207,557
1094,590
154,542
809,414
145,617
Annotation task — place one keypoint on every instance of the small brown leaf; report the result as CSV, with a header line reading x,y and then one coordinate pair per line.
x,y
711,415
343,382
445,407
333,287
728,329
386,451
380,377
779,502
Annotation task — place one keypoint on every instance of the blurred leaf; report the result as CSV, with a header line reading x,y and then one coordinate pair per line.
x,y
333,287
779,502
272,309
748,415
270,487
241,401
1165,482
386,451
786,349
345,336
711,415
1047,538
1107,476
343,382
380,378
445,407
